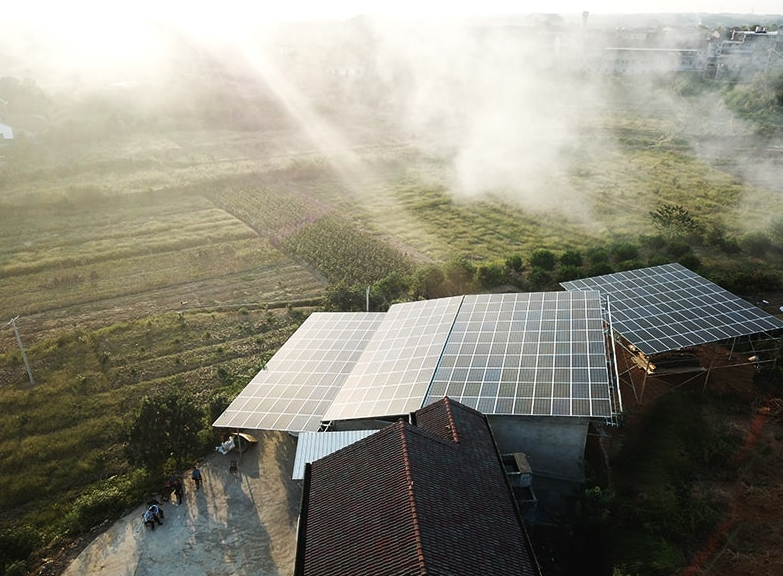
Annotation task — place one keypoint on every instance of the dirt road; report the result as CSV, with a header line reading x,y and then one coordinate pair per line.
x,y
237,524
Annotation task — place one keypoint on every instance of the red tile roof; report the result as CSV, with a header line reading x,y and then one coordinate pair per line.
x,y
429,498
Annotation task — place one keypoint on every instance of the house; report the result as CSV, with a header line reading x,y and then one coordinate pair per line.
x,y
425,497
536,364
6,132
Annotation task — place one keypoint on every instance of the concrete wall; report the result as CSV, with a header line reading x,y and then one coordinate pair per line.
x,y
554,445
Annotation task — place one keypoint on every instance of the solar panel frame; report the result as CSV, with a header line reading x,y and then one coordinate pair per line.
x,y
552,342
669,307
299,382
395,370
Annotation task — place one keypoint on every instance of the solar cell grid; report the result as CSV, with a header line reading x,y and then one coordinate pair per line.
x,y
402,355
301,379
674,307
542,342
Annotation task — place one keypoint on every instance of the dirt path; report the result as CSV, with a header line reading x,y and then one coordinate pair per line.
x,y
237,524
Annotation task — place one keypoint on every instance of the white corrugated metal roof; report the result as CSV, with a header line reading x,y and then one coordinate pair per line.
x,y
311,446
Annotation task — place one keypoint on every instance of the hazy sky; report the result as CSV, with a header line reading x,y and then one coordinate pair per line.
x,y
216,13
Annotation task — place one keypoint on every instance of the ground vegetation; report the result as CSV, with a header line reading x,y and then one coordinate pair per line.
x,y
157,256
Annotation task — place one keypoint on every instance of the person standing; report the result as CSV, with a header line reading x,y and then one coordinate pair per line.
x,y
196,475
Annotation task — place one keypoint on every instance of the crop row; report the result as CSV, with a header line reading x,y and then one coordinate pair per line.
x,y
342,252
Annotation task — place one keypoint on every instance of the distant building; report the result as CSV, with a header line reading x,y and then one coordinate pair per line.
x,y
743,53
650,60
347,71
6,132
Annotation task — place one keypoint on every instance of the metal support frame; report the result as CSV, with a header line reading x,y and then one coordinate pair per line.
x,y
758,355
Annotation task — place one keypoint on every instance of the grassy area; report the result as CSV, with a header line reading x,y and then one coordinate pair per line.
x,y
183,260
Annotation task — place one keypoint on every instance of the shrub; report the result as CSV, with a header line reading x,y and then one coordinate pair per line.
x,y
596,255
629,265
599,269
540,279
16,546
677,248
756,243
543,259
514,263
107,500
690,261
571,258
492,275
566,273
623,251
657,260
429,282
673,220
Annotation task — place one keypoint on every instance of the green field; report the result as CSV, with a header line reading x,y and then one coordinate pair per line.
x,y
175,259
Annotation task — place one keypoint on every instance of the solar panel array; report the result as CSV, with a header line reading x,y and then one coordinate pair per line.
x,y
531,353
519,354
300,381
396,367
668,307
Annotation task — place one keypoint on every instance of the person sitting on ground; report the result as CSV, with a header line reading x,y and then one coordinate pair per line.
x,y
152,515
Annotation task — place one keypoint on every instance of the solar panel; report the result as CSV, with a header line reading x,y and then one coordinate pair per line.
x,y
527,354
668,307
394,371
300,381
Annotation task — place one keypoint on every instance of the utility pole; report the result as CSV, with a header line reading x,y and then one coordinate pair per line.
x,y
24,356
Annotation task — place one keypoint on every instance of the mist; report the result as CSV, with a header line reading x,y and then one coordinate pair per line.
x,y
493,108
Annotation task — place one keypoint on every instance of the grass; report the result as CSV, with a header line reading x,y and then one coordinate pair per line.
x,y
167,260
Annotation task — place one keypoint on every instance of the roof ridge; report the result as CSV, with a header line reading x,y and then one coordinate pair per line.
x,y
452,423
412,500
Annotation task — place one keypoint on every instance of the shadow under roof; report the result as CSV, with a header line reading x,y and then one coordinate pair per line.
x,y
668,307
300,381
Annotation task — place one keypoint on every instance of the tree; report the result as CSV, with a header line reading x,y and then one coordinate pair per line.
x,y
429,282
673,220
166,428
571,258
542,258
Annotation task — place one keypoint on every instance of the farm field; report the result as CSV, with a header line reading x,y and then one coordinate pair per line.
x,y
182,260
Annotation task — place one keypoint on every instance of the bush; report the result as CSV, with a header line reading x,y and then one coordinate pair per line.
x,y
492,275
677,248
624,251
107,500
514,263
540,279
629,265
690,261
166,426
566,273
599,269
756,243
16,546
571,258
543,259
597,255
658,260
